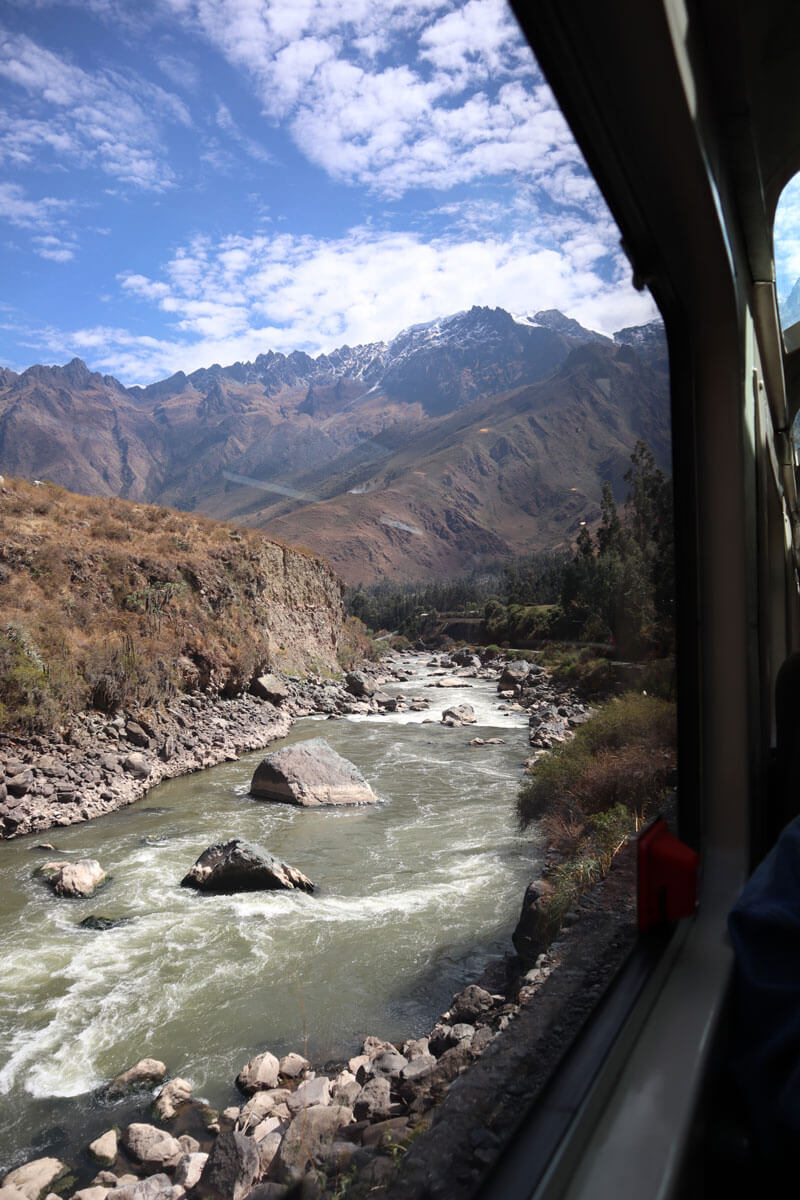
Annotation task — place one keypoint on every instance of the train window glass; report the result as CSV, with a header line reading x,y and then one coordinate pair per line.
x,y
353,287
786,242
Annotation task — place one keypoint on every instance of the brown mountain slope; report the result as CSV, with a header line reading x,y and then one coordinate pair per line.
x,y
77,428
515,474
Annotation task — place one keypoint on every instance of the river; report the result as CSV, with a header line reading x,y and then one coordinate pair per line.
x,y
413,897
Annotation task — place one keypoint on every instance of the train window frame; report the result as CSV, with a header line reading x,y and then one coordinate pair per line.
x,y
733,386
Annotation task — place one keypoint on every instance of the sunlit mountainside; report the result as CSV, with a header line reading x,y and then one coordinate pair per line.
x,y
462,440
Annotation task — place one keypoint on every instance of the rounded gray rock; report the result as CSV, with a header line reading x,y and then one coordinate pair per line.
x,y
310,774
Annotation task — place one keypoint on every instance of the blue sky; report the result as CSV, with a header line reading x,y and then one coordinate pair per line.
x,y
185,182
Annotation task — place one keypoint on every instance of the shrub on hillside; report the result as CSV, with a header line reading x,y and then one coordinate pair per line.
x,y
625,755
592,793
355,644
27,691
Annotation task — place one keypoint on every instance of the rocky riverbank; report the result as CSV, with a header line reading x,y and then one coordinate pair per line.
x,y
407,1121
293,1124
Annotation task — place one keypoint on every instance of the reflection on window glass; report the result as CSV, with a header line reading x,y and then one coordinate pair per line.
x,y
354,414
786,241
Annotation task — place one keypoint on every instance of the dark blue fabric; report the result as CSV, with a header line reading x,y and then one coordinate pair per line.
x,y
765,929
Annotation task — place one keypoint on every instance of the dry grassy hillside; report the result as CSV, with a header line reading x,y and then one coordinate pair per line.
x,y
112,603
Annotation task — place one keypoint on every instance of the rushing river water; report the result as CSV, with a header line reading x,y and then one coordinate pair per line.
x,y
413,897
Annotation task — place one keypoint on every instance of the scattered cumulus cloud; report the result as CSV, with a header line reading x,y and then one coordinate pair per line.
x,y
423,95
18,209
107,119
54,248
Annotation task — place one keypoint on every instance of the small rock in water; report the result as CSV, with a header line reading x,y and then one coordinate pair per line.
x,y
76,879
98,922
260,1072
172,1094
104,1148
239,866
144,1073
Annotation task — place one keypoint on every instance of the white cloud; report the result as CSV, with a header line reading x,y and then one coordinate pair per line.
x,y
360,105
475,41
19,210
54,248
180,70
107,119
227,124
43,217
139,285
470,109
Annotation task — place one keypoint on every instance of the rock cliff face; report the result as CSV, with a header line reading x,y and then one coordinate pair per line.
x,y
300,607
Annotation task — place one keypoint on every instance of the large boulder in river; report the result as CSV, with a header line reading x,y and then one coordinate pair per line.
x,y
261,1072
310,773
239,866
459,714
73,878
142,1074
359,684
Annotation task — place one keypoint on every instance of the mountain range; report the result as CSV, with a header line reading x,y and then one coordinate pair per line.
x,y
459,442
